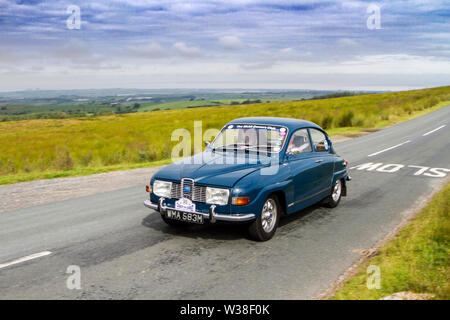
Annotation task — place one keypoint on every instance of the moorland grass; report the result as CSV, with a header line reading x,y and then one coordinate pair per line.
x,y
33,149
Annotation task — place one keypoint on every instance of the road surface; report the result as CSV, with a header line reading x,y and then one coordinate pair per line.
x,y
124,251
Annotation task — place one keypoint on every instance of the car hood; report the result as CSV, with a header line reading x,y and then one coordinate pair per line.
x,y
214,168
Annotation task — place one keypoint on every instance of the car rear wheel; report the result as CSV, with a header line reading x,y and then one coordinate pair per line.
x,y
264,227
335,196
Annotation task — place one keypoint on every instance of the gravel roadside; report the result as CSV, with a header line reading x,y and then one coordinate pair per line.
x,y
28,194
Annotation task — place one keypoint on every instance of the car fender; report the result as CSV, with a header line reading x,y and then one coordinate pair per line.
x,y
279,188
341,175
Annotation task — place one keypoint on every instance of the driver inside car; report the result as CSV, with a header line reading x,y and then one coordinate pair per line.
x,y
246,138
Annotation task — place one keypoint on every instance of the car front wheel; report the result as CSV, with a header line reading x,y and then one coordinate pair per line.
x,y
336,194
264,227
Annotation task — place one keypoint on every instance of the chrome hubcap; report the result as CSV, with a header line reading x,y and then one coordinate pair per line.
x,y
269,215
337,191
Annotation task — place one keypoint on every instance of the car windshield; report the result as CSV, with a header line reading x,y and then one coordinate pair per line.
x,y
250,137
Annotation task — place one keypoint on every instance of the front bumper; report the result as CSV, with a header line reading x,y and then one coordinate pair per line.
x,y
212,216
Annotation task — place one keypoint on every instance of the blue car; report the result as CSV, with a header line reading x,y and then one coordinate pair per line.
x,y
255,171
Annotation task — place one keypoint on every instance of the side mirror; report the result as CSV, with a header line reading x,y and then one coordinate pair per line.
x,y
327,145
321,147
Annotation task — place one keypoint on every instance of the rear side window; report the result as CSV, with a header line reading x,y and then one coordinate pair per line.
x,y
319,140
299,142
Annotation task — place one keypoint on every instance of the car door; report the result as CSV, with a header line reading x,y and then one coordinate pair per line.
x,y
325,160
302,165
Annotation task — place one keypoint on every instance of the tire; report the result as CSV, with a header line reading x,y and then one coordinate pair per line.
x,y
335,196
264,227
172,222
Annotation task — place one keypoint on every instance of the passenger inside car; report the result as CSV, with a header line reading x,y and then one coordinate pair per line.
x,y
299,143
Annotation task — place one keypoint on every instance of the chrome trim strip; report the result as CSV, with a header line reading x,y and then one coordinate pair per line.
x,y
150,205
308,197
189,182
212,216
234,217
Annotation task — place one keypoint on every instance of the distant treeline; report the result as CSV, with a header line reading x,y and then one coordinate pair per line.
x,y
338,95
26,112
15,113
233,103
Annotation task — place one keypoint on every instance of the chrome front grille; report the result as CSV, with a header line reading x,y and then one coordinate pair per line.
x,y
198,193
175,192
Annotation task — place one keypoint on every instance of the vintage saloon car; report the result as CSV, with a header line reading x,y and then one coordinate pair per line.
x,y
255,170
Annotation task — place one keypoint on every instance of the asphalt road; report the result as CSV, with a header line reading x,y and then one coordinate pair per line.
x,y
125,251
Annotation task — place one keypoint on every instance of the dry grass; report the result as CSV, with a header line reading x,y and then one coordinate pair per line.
x,y
69,145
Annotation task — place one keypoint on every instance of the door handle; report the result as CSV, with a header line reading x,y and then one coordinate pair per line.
x,y
319,161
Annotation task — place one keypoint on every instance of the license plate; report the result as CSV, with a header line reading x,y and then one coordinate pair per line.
x,y
185,216
185,204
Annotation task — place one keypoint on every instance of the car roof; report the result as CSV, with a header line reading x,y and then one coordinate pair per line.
x,y
290,123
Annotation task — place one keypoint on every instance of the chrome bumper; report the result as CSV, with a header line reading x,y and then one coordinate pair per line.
x,y
212,216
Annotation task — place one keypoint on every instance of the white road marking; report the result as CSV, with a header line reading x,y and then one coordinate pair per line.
x,y
27,258
394,167
390,148
429,132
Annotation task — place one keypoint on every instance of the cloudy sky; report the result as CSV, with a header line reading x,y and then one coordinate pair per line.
x,y
290,44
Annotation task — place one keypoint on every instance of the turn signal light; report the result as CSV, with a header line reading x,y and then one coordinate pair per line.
x,y
345,163
240,201
147,188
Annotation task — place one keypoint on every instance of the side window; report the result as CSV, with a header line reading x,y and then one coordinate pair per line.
x,y
299,142
319,140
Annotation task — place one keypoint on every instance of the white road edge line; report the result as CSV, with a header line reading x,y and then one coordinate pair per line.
x,y
429,132
27,258
390,148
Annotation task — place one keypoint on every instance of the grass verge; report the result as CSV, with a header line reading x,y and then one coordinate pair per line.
x,y
36,149
84,171
9,179
416,260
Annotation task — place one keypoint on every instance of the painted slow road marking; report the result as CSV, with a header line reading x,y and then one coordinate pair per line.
x,y
394,167
27,258
390,148
429,132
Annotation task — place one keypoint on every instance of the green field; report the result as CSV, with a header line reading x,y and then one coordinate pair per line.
x,y
65,104
416,260
189,104
44,148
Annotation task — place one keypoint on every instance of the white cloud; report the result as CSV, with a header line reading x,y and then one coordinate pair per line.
x,y
231,43
7,57
279,41
261,65
187,51
286,51
150,50
346,42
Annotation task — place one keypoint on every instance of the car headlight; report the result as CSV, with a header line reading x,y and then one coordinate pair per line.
x,y
217,196
162,188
